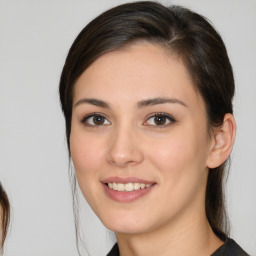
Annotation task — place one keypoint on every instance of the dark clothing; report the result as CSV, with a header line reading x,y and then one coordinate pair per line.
x,y
229,248
114,251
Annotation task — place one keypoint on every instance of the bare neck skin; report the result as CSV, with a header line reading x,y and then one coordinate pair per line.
x,y
192,238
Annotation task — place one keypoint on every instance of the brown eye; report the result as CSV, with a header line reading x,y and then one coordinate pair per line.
x,y
95,120
160,120
98,120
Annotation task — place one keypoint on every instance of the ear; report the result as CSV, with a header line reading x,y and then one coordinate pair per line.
x,y
222,142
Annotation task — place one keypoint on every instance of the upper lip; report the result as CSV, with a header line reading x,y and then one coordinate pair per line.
x,y
125,180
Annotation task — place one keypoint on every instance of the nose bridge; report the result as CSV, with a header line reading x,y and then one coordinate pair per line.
x,y
124,148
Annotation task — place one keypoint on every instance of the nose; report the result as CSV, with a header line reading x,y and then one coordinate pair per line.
x,y
124,148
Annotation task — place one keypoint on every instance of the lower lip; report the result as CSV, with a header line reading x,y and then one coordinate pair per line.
x,y
125,197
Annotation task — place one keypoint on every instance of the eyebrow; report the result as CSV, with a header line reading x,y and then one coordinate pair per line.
x,y
140,104
157,101
95,102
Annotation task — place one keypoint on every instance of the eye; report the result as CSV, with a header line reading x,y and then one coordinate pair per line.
x,y
160,120
95,120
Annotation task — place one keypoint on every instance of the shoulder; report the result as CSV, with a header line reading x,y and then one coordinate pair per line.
x,y
230,248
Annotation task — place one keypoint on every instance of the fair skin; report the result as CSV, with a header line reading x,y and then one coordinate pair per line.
x,y
150,127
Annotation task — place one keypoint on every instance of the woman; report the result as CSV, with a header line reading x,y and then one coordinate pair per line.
x,y
147,93
5,216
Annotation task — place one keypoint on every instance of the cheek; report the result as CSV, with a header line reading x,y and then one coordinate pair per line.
x,y
171,154
182,174
87,156
83,153
181,159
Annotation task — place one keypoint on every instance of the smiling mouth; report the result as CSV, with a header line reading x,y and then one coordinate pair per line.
x,y
127,191
128,187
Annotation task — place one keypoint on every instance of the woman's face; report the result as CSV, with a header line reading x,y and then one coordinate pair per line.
x,y
139,140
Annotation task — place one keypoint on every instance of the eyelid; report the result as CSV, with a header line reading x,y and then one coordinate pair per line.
x,y
86,117
168,116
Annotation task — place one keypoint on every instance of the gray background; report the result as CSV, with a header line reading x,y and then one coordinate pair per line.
x,y
34,39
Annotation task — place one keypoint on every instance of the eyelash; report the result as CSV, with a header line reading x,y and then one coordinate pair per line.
x,y
155,115
87,117
161,115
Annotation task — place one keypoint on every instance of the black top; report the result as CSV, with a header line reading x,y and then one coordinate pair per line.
x,y
229,248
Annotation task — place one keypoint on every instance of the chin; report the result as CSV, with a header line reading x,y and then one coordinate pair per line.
x,y
126,223
125,228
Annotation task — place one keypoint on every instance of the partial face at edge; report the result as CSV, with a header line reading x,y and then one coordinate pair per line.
x,y
137,119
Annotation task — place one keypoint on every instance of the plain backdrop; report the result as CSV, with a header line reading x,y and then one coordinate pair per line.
x,y
34,40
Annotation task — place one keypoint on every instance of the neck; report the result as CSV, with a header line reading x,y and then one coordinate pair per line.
x,y
194,237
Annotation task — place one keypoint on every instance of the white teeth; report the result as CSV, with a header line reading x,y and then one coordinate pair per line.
x,y
120,187
128,186
114,186
136,186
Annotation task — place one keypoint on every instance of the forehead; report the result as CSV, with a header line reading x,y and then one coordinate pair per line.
x,y
141,70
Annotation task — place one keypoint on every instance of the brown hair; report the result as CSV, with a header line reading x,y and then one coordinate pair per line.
x,y
5,215
186,34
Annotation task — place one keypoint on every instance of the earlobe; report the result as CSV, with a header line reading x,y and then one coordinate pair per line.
x,y
223,141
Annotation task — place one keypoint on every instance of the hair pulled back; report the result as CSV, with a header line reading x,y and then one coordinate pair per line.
x,y
184,33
